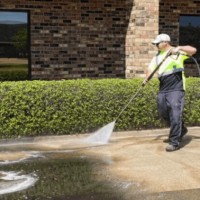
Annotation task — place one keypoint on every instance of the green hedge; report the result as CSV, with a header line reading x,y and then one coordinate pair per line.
x,y
30,108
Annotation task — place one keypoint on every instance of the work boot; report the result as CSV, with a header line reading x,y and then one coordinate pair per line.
x,y
171,148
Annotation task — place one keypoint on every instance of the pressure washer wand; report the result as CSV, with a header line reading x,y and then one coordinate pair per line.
x,y
145,82
157,67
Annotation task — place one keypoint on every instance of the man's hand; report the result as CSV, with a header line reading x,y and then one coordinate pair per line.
x,y
189,50
175,50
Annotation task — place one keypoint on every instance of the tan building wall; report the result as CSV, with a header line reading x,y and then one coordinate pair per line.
x,y
143,27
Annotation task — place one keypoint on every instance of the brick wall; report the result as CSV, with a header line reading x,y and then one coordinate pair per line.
x,y
170,11
76,38
143,27
97,38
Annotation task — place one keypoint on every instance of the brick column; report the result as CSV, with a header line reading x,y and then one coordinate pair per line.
x,y
143,27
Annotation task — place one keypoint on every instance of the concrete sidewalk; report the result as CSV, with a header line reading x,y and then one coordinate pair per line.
x,y
139,157
137,160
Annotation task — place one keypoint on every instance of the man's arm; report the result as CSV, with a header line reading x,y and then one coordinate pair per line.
x,y
189,50
148,72
151,67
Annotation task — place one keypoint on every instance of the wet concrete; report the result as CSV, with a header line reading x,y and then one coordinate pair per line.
x,y
136,161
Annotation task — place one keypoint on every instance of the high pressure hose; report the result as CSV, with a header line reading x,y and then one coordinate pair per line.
x,y
197,64
131,99
194,59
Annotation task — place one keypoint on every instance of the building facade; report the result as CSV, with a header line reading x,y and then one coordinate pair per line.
x,y
97,38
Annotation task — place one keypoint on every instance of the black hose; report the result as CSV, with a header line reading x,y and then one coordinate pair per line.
x,y
194,59
197,64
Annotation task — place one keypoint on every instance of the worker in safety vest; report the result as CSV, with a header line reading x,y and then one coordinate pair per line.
x,y
172,86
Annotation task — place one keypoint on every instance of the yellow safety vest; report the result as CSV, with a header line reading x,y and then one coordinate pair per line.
x,y
173,64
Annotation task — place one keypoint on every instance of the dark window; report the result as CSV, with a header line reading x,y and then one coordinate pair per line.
x,y
190,32
190,35
14,45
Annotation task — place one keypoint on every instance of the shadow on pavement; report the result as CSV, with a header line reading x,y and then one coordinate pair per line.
x,y
186,140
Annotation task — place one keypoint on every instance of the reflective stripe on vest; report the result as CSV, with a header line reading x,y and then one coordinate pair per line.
x,y
171,72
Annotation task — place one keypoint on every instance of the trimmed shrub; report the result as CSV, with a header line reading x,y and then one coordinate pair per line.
x,y
192,102
30,108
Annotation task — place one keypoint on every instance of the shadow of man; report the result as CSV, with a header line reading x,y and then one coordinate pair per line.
x,y
186,140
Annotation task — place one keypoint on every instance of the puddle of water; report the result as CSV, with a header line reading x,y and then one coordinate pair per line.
x,y
60,175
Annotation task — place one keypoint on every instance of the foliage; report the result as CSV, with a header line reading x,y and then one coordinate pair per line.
x,y
13,72
30,108
192,102
20,42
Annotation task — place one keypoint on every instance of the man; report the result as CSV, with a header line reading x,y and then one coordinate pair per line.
x,y
172,86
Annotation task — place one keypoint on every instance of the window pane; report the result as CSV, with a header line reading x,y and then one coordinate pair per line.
x,y
13,45
190,31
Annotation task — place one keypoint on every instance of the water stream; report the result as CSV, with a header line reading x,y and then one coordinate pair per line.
x,y
15,181
102,135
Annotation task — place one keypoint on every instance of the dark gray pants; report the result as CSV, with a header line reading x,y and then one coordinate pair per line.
x,y
170,107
